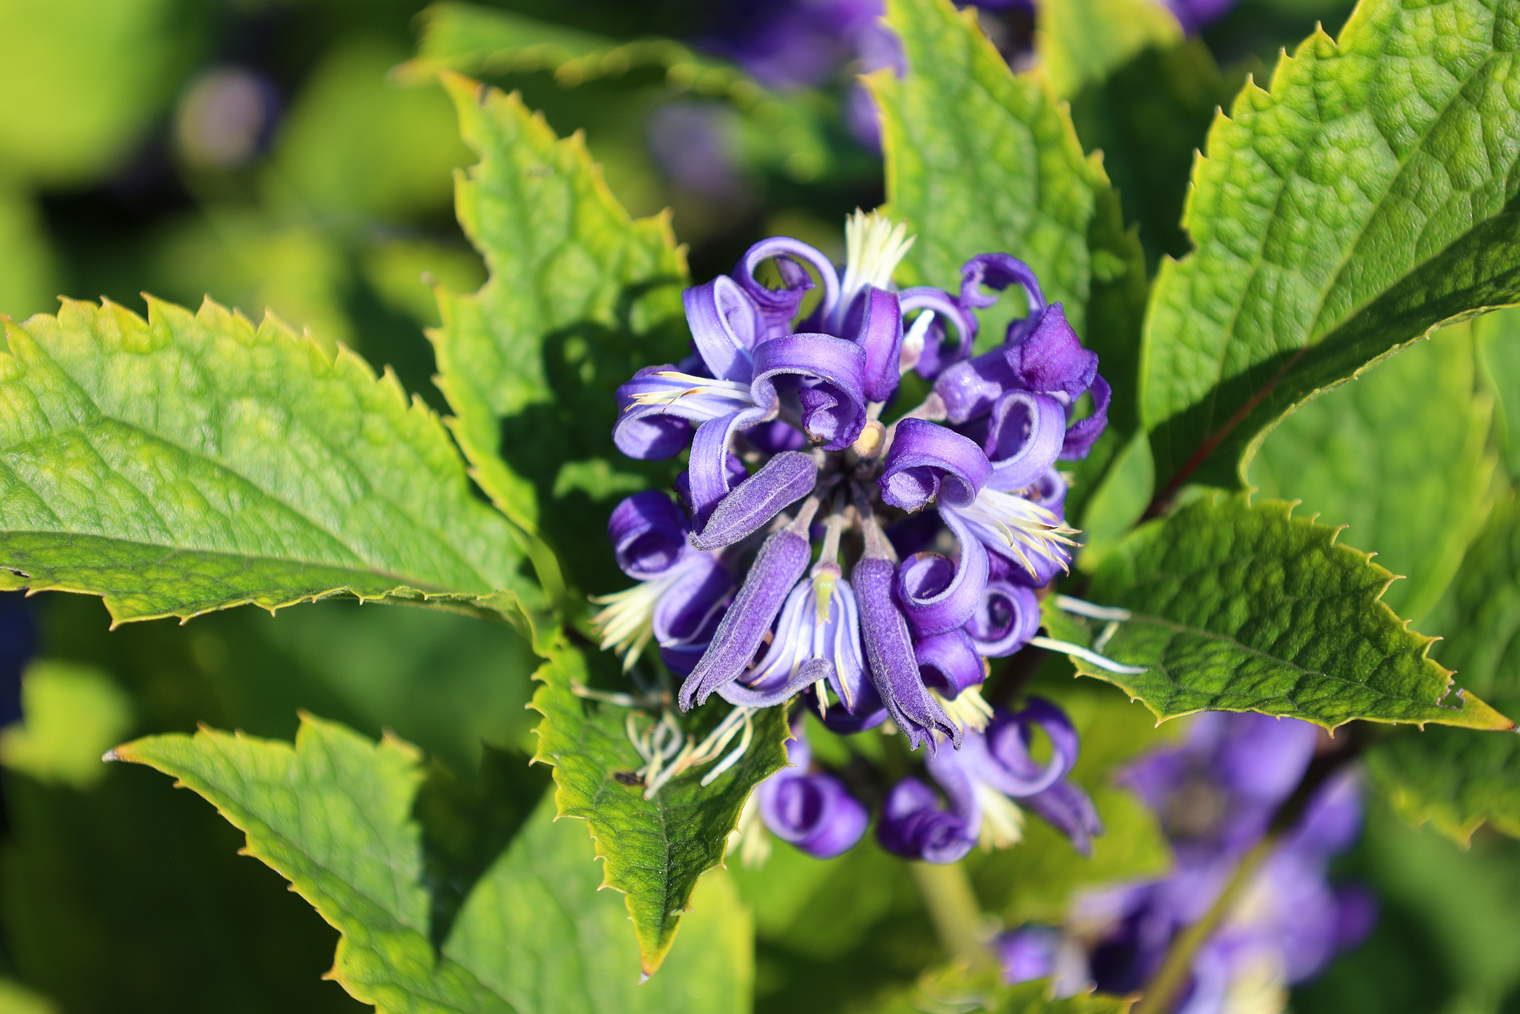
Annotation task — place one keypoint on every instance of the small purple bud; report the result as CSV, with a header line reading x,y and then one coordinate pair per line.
x,y
816,813
785,479
1028,953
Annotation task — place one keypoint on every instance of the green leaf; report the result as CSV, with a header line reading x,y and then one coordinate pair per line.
x,y
1363,202
980,159
580,297
1083,41
477,40
72,715
1497,336
1240,607
334,815
1399,455
1451,778
190,462
84,81
17,999
654,849
1149,117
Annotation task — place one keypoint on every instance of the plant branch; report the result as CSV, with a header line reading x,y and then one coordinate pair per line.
x,y
955,912
1160,993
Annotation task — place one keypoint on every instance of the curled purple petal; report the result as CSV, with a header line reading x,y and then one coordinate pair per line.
x,y
782,481
779,306
937,355
687,613
1070,810
937,595
708,474
928,462
998,271
889,654
1006,617
969,388
914,825
875,324
1083,433
781,560
775,436
949,662
736,473
832,373
725,326
1001,756
768,697
648,534
1052,358
648,433
1024,437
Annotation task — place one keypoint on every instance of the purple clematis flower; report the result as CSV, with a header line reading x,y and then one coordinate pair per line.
x,y
1216,795
780,409
815,812
981,781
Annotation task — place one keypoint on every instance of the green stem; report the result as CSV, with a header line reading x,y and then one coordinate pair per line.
x,y
1161,991
955,912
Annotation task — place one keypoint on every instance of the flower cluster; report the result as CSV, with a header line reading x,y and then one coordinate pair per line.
x,y
872,568
1216,796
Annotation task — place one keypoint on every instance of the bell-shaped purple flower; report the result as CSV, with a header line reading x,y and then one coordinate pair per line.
x,y
815,812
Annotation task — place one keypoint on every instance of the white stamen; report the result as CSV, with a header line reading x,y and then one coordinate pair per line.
x,y
969,710
1105,635
1020,524
1087,655
1002,819
626,625
749,836
724,390
1088,609
733,758
874,246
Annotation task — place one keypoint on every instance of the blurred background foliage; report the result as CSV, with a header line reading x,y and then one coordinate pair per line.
x,y
268,152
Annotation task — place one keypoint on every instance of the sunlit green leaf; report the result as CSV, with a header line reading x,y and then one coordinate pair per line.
x,y
336,816
1453,778
1398,455
1083,41
1497,337
980,159
654,849
1364,200
189,462
580,297
1238,607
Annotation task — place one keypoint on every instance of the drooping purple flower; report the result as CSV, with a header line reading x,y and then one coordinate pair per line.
x,y
813,811
1217,794
981,782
